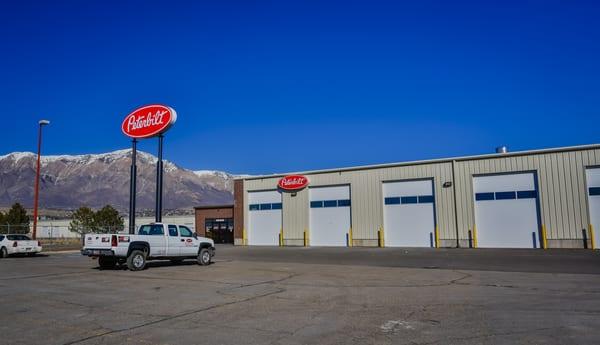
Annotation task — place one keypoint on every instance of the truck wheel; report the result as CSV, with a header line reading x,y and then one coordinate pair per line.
x,y
3,253
204,257
107,263
136,261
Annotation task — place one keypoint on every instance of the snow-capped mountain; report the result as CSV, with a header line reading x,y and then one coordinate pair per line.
x,y
218,179
94,180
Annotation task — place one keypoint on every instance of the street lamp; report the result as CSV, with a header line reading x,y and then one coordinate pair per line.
x,y
42,123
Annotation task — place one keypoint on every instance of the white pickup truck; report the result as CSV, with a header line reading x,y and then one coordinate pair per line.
x,y
156,241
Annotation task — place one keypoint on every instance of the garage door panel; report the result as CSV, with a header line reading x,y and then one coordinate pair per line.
x,y
505,182
327,193
515,214
407,188
409,216
593,192
265,218
329,215
506,213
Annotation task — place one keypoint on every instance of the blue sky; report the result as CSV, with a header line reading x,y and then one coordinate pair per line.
x,y
264,87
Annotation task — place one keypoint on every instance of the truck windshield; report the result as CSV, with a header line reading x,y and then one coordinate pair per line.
x,y
151,229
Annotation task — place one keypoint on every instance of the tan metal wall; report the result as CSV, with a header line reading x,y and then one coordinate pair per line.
x,y
561,184
367,199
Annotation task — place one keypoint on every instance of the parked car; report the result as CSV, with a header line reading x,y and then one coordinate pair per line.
x,y
18,244
156,241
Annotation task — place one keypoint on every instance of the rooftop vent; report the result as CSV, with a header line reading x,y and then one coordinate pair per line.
x,y
501,149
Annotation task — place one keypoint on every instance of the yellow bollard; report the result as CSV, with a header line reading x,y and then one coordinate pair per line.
x,y
592,237
281,237
474,236
544,236
350,237
244,238
437,237
382,237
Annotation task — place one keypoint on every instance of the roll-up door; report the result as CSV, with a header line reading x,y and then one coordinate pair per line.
x,y
506,214
593,183
409,213
264,221
329,215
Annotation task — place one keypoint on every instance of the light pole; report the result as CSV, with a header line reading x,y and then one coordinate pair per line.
x,y
42,123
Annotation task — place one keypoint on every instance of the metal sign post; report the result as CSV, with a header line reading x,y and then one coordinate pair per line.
x,y
159,180
132,186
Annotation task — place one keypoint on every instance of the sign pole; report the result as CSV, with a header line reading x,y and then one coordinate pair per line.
x,y
159,180
132,186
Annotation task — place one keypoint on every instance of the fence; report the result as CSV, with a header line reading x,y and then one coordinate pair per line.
x,y
54,231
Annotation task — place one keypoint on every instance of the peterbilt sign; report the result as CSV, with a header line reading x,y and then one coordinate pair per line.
x,y
293,182
149,121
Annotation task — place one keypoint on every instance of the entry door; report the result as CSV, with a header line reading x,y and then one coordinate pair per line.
x,y
506,214
409,218
220,230
264,221
329,215
593,183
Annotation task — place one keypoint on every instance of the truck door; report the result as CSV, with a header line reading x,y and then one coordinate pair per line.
x,y
157,239
173,241
189,246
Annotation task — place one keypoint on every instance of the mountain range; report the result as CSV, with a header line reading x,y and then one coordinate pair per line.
x,y
94,180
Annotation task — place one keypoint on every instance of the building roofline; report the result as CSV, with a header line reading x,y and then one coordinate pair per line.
x,y
430,161
212,206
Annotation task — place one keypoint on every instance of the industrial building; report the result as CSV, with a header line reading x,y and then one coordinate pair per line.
x,y
546,198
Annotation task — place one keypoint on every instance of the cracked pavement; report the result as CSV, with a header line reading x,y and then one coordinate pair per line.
x,y
307,295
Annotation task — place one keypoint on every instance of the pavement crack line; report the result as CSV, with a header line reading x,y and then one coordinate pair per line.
x,y
448,283
44,275
176,316
489,335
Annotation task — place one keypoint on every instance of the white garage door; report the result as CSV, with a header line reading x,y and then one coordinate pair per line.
x,y
593,183
409,219
329,215
264,221
506,214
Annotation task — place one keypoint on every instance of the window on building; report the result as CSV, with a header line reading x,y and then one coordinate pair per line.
x,y
506,195
409,200
330,203
484,196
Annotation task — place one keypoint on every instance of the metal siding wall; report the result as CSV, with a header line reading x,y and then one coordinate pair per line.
x,y
560,178
561,186
367,199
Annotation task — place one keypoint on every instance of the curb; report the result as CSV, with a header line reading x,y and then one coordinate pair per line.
x,y
62,251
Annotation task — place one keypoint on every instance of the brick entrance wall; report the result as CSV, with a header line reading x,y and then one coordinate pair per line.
x,y
203,212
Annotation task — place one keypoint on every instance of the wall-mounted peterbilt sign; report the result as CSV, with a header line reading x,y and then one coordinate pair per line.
x,y
293,182
149,121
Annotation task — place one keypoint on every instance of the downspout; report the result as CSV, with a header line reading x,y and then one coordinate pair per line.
x,y
455,208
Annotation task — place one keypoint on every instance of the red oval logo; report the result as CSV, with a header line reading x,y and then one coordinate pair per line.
x,y
148,121
293,182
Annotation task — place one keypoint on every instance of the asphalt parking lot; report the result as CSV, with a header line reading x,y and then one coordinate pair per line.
x,y
308,296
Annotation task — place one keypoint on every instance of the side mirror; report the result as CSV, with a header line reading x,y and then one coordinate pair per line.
x,y
195,235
